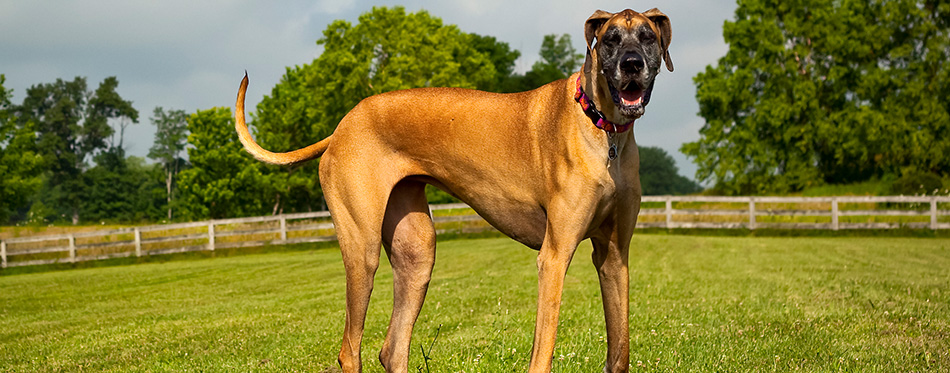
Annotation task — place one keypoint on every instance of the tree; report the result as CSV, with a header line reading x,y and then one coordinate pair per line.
x,y
20,164
391,50
387,50
110,189
286,121
501,56
55,111
815,92
659,175
71,125
560,54
224,180
558,60
171,135
120,189
105,104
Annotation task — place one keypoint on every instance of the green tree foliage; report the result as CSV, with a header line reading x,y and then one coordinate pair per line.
x,y
72,125
817,92
391,50
120,189
111,191
106,105
287,120
387,50
558,60
55,111
559,53
224,180
171,137
501,56
659,175
20,163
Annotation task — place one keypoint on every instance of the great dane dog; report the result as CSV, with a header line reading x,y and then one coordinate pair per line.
x,y
549,168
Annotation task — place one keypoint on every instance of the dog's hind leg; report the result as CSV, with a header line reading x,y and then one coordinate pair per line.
x,y
409,239
357,218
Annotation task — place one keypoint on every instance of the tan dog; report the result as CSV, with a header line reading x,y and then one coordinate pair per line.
x,y
533,164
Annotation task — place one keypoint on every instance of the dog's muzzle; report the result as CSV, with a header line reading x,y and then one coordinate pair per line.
x,y
630,94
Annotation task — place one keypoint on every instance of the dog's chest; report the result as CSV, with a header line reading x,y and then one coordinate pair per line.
x,y
619,183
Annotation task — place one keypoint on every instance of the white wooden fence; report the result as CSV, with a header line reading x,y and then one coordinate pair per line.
x,y
795,212
834,213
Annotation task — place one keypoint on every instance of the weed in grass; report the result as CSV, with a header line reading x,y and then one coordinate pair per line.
x,y
425,355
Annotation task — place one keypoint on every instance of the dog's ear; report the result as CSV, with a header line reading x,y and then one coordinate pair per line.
x,y
593,24
662,23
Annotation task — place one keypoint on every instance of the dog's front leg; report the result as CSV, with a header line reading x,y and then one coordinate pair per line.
x,y
552,266
611,258
564,232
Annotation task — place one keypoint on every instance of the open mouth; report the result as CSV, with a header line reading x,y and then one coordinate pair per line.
x,y
631,99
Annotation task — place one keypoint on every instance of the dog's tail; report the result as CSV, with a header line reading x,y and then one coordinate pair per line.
x,y
293,157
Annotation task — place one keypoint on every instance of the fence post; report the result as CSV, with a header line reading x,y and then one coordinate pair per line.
x,y
933,212
211,235
3,254
138,242
72,249
669,212
751,213
834,213
283,228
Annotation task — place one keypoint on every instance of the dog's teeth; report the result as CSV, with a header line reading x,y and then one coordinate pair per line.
x,y
631,98
636,101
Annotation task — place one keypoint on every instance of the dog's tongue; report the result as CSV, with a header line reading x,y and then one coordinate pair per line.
x,y
631,98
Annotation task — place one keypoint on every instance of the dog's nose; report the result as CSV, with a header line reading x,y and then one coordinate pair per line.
x,y
632,63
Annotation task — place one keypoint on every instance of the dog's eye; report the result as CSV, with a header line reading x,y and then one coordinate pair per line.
x,y
647,36
611,39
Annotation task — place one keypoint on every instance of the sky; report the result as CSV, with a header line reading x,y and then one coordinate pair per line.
x,y
191,55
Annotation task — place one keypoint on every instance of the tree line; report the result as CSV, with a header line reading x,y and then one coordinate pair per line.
x,y
62,157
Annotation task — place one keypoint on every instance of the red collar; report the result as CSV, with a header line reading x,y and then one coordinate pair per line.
x,y
595,115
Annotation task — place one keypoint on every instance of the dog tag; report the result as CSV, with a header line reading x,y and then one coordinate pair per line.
x,y
612,152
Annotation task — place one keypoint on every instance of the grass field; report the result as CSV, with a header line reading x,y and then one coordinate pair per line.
x,y
697,304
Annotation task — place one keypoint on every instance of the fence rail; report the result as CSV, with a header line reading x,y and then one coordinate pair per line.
x,y
833,213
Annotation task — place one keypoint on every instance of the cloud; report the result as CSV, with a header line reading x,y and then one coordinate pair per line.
x,y
333,6
481,7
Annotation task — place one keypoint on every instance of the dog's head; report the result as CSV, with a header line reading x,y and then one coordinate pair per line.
x,y
622,65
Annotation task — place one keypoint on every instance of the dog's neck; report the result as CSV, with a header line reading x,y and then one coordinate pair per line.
x,y
596,116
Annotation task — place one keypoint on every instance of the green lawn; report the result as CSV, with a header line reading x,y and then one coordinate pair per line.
x,y
697,304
